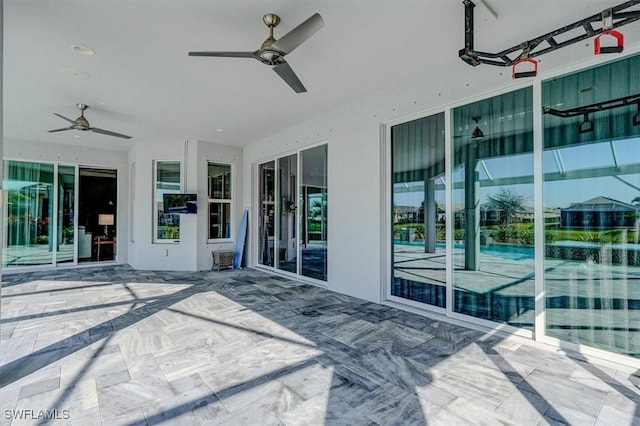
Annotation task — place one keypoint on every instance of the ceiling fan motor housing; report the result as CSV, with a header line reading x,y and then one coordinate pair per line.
x,y
81,123
271,20
270,56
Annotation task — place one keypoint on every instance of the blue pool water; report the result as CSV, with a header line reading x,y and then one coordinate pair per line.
x,y
508,251
503,251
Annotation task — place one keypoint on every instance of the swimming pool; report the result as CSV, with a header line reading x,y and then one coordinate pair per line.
x,y
503,251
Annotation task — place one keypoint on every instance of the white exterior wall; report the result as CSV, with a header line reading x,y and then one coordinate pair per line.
x,y
355,158
192,252
144,254
357,227
353,162
215,153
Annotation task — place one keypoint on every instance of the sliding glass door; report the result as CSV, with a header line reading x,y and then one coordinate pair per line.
x,y
267,213
418,200
38,230
292,213
55,214
66,216
493,209
568,197
287,189
29,216
313,213
592,207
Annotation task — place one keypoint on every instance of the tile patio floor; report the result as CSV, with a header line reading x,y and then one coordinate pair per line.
x,y
110,345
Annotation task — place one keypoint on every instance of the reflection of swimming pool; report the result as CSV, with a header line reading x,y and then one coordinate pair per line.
x,y
508,251
504,251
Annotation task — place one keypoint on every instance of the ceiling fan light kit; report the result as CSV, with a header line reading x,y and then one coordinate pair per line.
x,y
272,51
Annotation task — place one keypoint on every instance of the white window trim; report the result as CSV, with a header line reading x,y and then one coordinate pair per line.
x,y
154,218
210,201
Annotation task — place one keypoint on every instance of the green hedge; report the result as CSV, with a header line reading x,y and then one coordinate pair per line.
x,y
523,233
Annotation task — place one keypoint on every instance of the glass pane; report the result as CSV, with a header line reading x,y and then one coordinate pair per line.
x,y
29,214
266,213
66,218
219,220
418,195
287,254
167,182
219,181
493,209
313,214
592,211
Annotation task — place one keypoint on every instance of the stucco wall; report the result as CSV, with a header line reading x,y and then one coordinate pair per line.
x,y
192,252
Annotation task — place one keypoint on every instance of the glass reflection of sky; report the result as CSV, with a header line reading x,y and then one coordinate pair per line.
x,y
559,193
562,193
507,166
587,156
594,155
628,151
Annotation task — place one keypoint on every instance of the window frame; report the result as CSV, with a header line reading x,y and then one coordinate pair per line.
x,y
227,201
154,206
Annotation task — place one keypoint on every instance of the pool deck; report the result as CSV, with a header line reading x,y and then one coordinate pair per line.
x,y
114,346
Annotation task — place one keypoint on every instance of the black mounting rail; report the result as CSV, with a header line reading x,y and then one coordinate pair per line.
x,y
587,125
611,18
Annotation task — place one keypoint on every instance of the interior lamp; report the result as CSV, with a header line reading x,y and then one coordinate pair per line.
x,y
105,220
477,133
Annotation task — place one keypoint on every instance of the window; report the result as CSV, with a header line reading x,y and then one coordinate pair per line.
x,y
167,181
219,200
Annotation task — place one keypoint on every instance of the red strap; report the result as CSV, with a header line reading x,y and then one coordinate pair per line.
x,y
597,49
523,74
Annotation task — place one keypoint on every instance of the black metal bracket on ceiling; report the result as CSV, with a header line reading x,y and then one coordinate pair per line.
x,y
610,18
586,125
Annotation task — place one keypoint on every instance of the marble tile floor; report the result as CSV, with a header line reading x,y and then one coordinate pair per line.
x,y
113,346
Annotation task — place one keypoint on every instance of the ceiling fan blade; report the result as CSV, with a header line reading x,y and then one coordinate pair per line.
x,y
225,54
61,130
109,133
64,118
285,71
296,36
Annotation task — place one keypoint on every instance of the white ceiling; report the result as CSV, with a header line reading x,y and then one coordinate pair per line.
x,y
142,83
